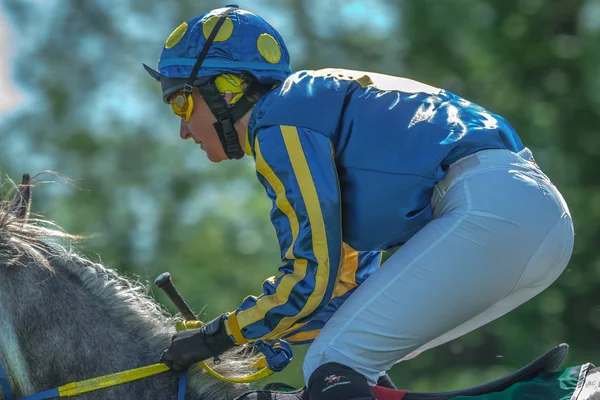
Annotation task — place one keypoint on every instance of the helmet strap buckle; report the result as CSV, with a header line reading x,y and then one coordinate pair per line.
x,y
228,136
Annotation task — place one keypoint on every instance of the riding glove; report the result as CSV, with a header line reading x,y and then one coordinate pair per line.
x,y
193,345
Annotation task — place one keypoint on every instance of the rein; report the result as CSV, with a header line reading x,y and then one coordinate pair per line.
x,y
277,355
101,382
276,358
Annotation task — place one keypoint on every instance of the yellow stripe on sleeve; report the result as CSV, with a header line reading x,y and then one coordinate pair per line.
x,y
266,303
317,224
281,200
319,238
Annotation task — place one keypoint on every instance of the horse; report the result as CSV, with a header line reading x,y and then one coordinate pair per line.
x,y
64,318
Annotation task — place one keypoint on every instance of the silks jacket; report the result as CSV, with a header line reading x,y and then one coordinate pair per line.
x,y
349,160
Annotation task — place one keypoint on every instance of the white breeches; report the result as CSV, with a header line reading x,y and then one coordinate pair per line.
x,y
501,234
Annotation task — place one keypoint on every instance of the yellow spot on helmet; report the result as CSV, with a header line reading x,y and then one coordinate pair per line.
x,y
224,32
269,48
176,35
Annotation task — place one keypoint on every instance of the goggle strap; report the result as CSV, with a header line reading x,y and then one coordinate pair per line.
x,y
205,49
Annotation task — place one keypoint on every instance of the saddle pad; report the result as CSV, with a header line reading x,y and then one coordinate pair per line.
x,y
559,385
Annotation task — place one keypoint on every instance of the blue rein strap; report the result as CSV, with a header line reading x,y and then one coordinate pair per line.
x,y
4,385
46,394
182,385
52,393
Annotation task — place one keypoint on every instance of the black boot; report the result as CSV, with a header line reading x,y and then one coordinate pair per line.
x,y
334,381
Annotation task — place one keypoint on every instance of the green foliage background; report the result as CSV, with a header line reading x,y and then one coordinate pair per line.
x,y
153,203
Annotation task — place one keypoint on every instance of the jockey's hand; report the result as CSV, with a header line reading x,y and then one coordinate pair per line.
x,y
193,345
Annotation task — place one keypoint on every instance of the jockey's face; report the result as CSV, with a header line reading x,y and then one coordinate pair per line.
x,y
201,129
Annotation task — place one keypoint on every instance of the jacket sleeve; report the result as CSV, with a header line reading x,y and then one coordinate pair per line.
x,y
357,266
296,166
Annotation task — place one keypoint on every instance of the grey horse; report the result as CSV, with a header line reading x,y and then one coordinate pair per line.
x,y
64,318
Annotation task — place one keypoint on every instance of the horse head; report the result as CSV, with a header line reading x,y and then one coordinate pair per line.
x,y
65,318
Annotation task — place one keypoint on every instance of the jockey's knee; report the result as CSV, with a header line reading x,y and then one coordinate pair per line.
x,y
336,381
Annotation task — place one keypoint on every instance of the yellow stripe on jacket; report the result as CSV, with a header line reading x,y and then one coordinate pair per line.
x,y
304,189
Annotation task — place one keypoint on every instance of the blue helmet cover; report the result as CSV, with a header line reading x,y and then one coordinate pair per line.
x,y
245,44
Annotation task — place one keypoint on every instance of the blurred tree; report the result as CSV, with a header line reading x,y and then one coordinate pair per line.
x,y
97,118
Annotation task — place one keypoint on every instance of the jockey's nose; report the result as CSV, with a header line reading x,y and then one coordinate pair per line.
x,y
184,130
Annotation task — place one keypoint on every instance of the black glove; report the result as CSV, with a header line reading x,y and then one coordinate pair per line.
x,y
193,345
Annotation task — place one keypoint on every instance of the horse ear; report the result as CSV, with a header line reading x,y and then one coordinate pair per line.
x,y
23,200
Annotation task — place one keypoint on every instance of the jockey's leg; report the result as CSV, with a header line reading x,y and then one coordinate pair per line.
x,y
501,234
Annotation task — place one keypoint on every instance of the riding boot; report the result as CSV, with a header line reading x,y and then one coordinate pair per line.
x,y
386,382
333,381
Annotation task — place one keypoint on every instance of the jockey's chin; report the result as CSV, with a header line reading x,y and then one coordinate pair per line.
x,y
214,153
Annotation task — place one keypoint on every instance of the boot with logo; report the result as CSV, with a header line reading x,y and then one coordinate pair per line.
x,y
333,381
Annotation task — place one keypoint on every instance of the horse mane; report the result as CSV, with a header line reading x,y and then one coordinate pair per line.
x,y
38,242
38,239
21,236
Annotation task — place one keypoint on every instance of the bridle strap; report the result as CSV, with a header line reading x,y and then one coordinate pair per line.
x,y
182,385
4,385
53,393
47,394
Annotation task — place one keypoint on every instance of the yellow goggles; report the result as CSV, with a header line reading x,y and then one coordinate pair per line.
x,y
182,105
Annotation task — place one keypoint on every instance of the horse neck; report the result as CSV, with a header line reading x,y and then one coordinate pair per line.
x,y
74,325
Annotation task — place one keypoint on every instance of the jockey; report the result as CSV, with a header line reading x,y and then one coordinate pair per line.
x,y
358,163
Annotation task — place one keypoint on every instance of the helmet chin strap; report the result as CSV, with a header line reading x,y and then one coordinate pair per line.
x,y
228,115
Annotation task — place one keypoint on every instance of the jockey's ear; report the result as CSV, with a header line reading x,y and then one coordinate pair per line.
x,y
22,200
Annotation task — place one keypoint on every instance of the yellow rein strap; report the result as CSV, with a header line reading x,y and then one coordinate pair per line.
x,y
257,376
101,382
